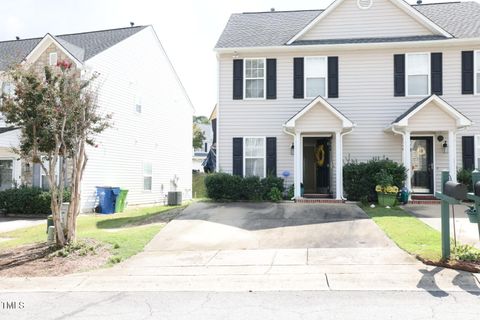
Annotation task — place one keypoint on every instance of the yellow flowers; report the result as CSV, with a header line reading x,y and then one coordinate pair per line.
x,y
387,189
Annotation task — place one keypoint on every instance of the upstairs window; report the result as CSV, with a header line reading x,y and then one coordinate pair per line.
x,y
53,58
254,78
138,104
315,77
418,74
477,72
254,157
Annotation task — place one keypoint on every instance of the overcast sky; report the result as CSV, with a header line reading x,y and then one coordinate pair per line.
x,y
188,29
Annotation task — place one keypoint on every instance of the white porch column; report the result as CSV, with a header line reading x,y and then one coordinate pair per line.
x,y
406,159
338,166
452,154
297,164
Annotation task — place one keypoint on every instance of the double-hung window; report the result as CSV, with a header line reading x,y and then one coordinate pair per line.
x,y
52,59
6,174
254,156
418,74
315,76
477,71
254,78
147,176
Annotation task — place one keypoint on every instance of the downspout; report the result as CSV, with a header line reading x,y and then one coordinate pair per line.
x,y
403,136
341,171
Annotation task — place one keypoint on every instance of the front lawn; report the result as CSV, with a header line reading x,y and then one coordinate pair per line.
x,y
127,233
409,233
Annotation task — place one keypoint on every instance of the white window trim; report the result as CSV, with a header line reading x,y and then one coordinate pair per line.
x,y
429,81
475,72
305,77
476,153
264,79
14,169
264,155
52,54
145,176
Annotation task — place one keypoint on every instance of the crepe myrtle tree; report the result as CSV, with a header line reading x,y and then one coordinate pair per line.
x,y
58,115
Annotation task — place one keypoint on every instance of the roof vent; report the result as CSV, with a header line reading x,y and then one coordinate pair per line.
x,y
272,9
419,2
17,37
132,24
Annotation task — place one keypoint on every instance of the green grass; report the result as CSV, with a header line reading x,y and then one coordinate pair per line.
x,y
198,185
409,233
129,238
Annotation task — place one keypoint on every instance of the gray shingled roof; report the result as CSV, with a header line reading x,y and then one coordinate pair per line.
x,y
82,46
264,29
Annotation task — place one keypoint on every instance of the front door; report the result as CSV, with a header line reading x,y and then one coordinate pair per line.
x,y
421,157
316,165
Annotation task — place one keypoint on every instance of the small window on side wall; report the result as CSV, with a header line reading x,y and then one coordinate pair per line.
x,y
418,74
53,58
147,176
138,104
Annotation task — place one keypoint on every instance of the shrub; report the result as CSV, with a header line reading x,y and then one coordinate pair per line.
x,y
27,200
360,178
290,192
467,253
275,194
226,187
465,177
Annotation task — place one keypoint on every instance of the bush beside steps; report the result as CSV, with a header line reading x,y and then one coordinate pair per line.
x,y
227,187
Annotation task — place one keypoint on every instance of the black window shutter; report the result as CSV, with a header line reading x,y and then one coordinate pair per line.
x,y
271,156
271,78
468,152
437,73
333,77
467,72
237,157
298,78
237,79
399,75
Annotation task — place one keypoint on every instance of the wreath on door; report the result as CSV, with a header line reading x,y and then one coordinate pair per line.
x,y
320,155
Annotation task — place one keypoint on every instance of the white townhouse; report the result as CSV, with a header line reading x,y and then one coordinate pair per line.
x,y
302,92
148,149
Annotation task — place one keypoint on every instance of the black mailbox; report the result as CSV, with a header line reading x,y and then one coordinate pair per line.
x,y
476,188
455,190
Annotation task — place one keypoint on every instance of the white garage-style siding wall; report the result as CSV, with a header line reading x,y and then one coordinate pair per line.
x,y
161,134
365,97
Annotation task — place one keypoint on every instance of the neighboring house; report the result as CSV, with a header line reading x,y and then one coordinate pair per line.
x,y
302,92
200,154
148,149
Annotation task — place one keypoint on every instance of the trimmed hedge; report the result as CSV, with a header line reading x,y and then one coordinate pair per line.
x,y
227,187
360,178
27,200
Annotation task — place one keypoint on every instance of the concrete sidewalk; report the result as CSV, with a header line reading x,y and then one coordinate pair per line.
x,y
467,232
10,224
259,270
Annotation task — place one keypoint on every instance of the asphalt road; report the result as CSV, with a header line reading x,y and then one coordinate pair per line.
x,y
248,305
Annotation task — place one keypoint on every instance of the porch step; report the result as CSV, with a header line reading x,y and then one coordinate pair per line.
x,y
317,196
318,200
423,199
414,201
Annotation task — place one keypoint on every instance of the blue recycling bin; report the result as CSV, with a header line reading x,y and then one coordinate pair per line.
x,y
107,197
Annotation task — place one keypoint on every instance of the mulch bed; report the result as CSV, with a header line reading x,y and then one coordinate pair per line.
x,y
454,264
41,259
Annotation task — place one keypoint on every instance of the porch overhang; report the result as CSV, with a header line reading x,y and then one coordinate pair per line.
x,y
402,122
290,124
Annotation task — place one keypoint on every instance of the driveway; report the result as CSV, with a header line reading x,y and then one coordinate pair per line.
x,y
467,232
213,226
10,224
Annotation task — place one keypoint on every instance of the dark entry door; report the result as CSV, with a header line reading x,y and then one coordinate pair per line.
x,y
421,157
316,165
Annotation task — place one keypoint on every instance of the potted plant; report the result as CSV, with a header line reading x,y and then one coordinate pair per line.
x,y
386,191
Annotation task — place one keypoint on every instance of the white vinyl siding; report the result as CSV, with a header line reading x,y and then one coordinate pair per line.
x,y
477,72
315,71
477,151
147,176
254,156
383,19
254,78
368,102
417,69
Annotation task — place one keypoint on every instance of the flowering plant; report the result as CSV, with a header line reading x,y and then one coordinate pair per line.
x,y
384,182
387,189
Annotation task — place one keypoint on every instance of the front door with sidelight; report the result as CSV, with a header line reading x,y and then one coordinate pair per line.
x,y
421,155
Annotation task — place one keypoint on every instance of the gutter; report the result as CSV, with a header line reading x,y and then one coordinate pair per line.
x,y
293,135
341,137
